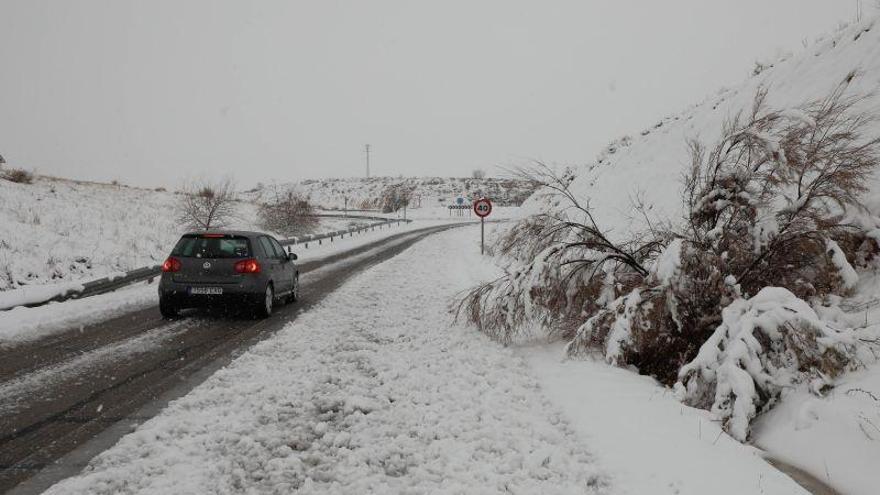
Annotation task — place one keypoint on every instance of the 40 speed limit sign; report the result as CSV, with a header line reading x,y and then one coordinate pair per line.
x,y
482,207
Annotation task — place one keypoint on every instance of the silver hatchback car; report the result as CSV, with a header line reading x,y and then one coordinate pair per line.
x,y
217,268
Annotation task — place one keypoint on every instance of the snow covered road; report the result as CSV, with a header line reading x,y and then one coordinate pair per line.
x,y
66,397
373,390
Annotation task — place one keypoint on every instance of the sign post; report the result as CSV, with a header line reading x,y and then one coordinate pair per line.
x,y
482,207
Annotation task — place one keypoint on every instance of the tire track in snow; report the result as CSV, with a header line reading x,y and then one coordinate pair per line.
x,y
28,386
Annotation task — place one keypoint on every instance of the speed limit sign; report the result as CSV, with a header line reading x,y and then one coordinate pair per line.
x,y
482,207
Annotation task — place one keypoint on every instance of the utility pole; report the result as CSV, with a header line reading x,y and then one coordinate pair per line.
x,y
367,151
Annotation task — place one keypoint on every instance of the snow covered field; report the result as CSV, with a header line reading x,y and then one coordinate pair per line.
x,y
57,230
61,231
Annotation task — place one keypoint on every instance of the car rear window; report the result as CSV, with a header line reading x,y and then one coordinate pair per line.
x,y
227,246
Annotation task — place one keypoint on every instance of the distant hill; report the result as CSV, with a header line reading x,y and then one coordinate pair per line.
x,y
363,193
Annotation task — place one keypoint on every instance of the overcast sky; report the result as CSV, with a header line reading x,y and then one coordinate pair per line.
x,y
152,92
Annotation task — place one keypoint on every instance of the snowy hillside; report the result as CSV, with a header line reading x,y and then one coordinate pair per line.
x,y
365,193
824,421
649,164
58,230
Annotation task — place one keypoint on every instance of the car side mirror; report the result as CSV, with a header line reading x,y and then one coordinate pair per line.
x,y
292,256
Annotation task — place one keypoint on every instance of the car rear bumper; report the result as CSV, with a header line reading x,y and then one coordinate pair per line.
x,y
251,290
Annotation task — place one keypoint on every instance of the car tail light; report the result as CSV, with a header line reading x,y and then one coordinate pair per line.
x,y
213,236
247,266
172,264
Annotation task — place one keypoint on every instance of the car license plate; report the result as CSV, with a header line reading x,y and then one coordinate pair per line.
x,y
207,291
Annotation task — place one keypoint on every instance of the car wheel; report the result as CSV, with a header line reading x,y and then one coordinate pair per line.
x,y
265,307
168,309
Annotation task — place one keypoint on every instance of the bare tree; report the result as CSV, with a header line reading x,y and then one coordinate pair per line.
x,y
207,205
396,196
478,174
287,212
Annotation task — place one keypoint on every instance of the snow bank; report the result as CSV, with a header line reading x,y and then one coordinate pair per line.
x,y
37,294
647,440
26,324
836,437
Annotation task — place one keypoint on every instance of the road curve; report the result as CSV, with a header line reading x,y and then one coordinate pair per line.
x,y
59,393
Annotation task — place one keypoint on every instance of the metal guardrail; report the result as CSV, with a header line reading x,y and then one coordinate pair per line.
x,y
112,283
319,238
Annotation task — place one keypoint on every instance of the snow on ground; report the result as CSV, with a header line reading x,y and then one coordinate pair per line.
x,y
835,437
26,324
57,230
326,248
372,391
443,213
647,440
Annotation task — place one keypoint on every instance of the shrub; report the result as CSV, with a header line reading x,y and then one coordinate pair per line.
x,y
287,213
19,176
205,205
764,345
395,197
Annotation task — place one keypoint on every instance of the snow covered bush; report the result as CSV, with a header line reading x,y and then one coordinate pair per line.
x,y
770,200
563,267
763,345
18,175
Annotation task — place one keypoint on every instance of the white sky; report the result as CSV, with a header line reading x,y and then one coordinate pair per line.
x,y
150,93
